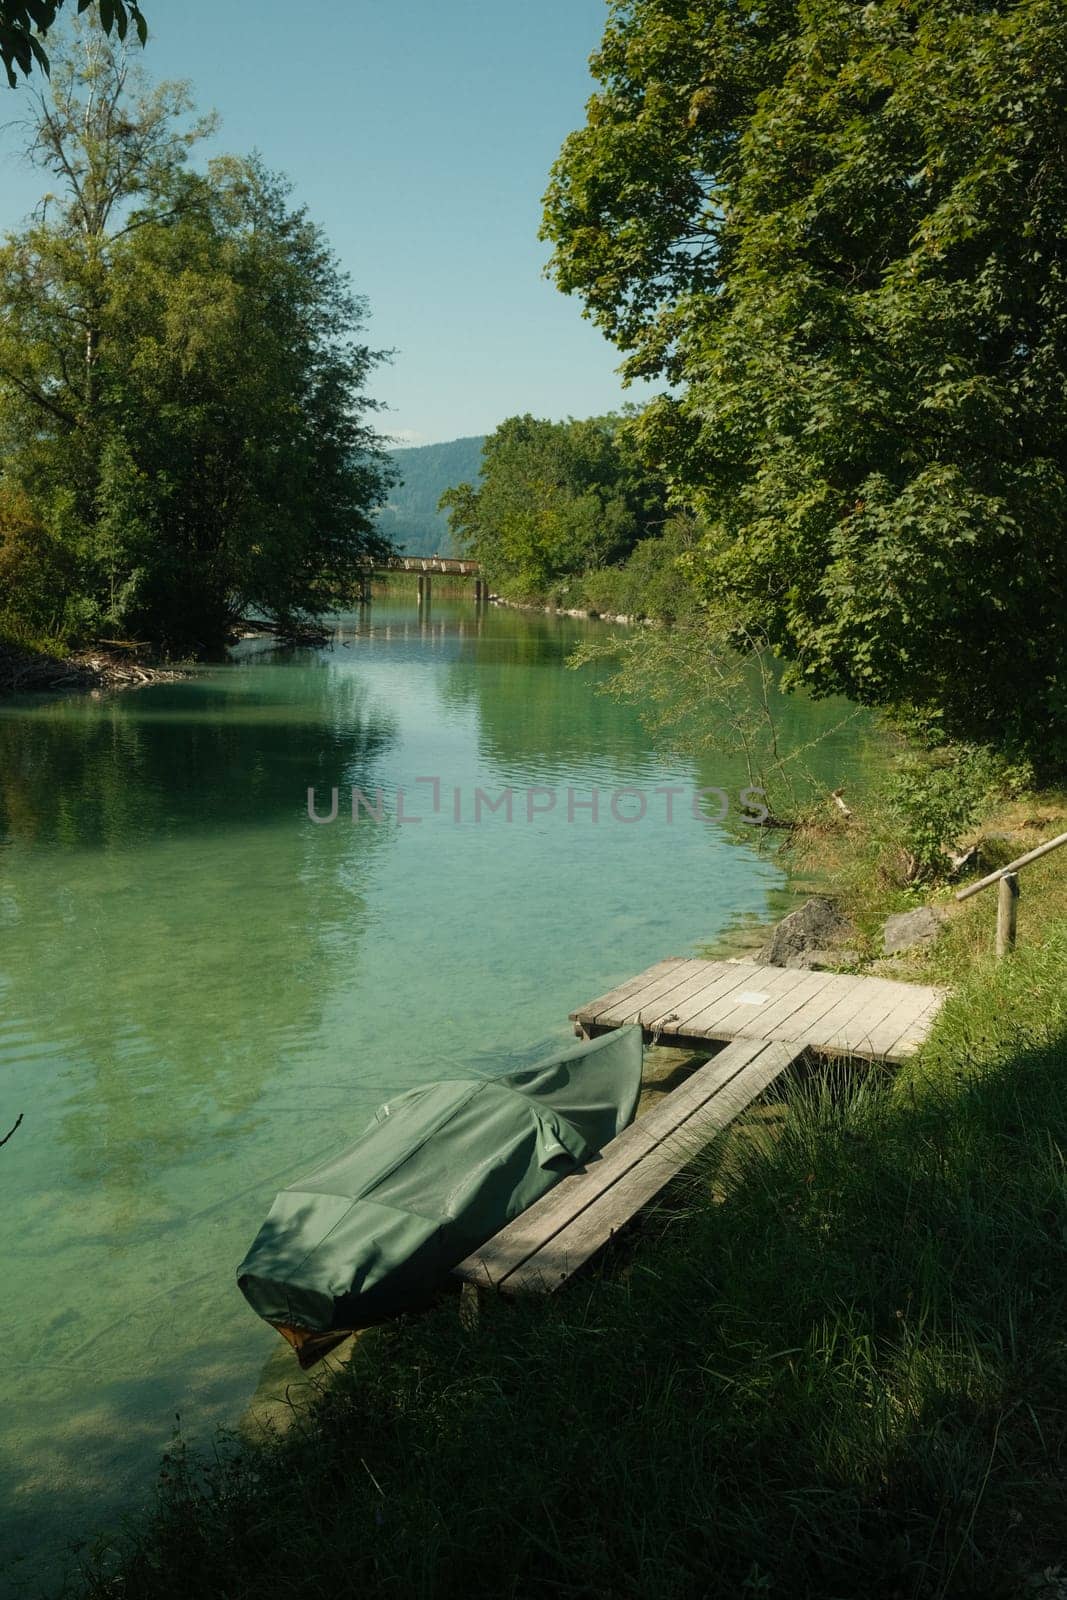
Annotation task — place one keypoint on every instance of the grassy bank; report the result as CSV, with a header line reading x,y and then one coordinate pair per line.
x,y
832,1363
859,862
26,656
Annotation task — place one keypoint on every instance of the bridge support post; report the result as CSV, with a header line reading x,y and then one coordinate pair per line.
x,y
425,589
1007,912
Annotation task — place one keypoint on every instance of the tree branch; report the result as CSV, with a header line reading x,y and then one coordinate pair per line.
x,y
15,1129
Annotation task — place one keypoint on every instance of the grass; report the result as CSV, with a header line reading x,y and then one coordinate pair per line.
x,y
859,861
833,1363
17,637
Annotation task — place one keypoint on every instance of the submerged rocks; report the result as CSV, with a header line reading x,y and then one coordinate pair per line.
x,y
912,930
815,935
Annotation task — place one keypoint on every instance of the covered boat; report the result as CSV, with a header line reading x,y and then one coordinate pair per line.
x,y
437,1172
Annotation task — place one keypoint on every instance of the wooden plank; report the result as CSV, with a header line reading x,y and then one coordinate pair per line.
x,y
692,1001
853,1038
651,998
903,1016
590,1011
914,1035
773,981
569,1248
660,999
528,1232
859,997
623,991
693,996
804,1024
767,1020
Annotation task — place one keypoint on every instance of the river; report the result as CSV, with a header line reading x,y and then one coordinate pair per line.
x,y
204,992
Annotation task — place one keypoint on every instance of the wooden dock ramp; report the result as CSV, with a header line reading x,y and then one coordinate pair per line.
x,y
755,1021
542,1247
692,1004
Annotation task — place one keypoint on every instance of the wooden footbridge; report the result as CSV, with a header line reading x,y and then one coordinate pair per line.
x,y
427,567
756,1022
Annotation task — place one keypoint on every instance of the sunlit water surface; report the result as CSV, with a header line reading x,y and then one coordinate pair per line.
x,y
203,993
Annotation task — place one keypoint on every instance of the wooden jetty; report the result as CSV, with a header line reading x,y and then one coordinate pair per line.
x,y
755,1022
695,1004
549,1241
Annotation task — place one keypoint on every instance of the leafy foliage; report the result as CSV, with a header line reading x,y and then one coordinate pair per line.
x,y
839,231
23,23
918,822
933,804
651,582
556,499
182,408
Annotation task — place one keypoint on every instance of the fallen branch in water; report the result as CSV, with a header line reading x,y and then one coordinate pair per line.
x,y
15,1129
21,670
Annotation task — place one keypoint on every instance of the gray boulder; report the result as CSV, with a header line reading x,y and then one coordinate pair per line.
x,y
808,936
912,930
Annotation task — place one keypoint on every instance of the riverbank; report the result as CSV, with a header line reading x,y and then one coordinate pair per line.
x,y
832,1362
24,671
582,613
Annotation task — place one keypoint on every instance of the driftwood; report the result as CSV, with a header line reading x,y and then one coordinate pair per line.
x,y
88,669
312,633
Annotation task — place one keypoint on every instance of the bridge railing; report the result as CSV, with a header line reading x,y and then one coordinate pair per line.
x,y
1007,878
442,564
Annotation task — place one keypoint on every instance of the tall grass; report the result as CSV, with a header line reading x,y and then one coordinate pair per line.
x,y
17,635
833,1363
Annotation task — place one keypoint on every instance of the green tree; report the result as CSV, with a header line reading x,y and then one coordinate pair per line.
x,y
556,499
839,231
24,23
183,422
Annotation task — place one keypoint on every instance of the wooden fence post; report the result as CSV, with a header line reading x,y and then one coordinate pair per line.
x,y
1007,912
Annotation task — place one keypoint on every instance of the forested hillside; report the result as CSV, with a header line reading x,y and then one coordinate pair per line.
x,y
410,517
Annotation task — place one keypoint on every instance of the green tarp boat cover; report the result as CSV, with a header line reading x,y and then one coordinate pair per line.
x,y
437,1173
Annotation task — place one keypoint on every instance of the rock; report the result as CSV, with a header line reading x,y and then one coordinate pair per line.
x,y
912,930
812,930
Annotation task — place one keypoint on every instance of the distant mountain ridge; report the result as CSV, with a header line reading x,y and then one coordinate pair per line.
x,y
410,517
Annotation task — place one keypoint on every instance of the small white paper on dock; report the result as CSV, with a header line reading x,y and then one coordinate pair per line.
x,y
750,998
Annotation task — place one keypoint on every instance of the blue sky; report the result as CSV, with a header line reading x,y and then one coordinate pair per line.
x,y
420,133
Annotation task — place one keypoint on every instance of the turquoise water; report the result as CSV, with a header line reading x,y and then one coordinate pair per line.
x,y
203,992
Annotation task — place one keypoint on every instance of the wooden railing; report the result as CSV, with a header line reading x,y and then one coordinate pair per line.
x,y
450,566
1008,892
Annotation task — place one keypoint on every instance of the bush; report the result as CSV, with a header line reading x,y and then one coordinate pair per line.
x,y
933,801
653,580
35,568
